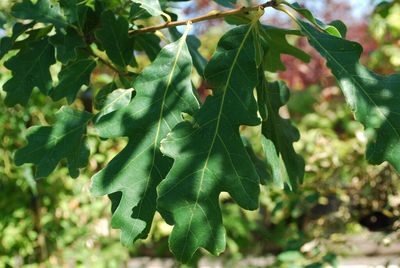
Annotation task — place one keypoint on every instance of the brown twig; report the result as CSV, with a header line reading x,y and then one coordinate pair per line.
x,y
211,16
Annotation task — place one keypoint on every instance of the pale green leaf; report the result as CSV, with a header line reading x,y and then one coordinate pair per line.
x,y
163,91
116,100
208,151
48,145
151,6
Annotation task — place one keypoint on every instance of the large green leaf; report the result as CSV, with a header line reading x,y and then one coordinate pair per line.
x,y
30,68
113,35
48,145
72,77
373,98
43,11
280,135
163,91
209,154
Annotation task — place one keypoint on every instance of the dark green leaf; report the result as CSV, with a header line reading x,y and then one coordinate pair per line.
x,y
150,43
113,35
276,45
163,91
48,145
209,154
43,11
280,135
373,98
72,77
67,45
7,43
30,68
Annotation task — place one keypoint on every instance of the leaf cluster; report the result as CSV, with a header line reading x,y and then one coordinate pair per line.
x,y
181,154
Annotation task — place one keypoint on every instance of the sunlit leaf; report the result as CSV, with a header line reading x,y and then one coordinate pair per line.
x,y
208,151
163,91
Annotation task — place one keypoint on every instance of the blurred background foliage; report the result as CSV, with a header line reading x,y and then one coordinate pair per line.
x,y
54,222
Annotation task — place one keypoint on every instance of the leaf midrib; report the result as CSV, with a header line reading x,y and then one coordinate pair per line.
x,y
219,116
161,118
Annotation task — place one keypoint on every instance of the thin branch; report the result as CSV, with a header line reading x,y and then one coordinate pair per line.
x,y
210,16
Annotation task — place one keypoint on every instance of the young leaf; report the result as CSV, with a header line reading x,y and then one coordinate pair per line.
x,y
282,134
163,91
151,6
48,145
72,77
209,154
373,98
43,11
113,35
30,68
67,44
276,45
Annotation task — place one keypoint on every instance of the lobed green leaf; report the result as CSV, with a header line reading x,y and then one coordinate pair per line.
x,y
48,145
209,154
372,97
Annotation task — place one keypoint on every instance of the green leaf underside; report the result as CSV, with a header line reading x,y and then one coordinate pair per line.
x,y
43,11
280,135
72,77
276,45
151,6
209,154
116,100
163,91
30,68
48,145
113,35
373,98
